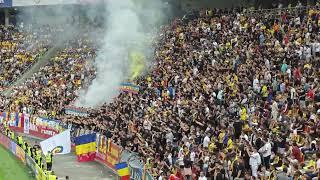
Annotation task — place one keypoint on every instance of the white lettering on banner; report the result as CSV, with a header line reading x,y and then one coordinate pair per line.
x,y
33,127
48,132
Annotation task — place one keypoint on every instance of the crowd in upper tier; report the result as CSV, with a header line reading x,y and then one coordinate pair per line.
x,y
230,96
20,48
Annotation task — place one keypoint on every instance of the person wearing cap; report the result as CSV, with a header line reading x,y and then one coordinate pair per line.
x,y
49,160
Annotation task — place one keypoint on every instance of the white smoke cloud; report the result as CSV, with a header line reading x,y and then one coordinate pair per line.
x,y
130,26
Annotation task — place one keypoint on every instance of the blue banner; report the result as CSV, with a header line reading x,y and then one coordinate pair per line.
x,y
13,147
5,3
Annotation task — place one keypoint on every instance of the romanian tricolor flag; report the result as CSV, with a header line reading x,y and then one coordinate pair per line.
x,y
123,171
86,147
129,88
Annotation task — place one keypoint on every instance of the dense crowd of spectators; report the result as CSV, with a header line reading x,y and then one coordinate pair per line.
x,y
232,96
20,48
54,85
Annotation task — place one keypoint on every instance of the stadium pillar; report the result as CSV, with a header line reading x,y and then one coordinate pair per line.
x,y
6,17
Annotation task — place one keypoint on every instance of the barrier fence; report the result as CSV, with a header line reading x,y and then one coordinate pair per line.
x,y
22,156
108,153
32,125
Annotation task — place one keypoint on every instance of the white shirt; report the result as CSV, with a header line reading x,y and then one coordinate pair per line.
x,y
265,150
317,47
220,94
274,107
192,156
255,83
292,93
318,164
147,125
255,159
206,141
202,178
297,21
218,26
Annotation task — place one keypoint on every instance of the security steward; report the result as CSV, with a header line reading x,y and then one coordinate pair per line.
x,y
7,131
12,135
29,151
49,160
38,157
25,146
20,141
52,176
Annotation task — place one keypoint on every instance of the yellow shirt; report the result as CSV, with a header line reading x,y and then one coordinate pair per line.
x,y
221,136
264,91
243,115
230,144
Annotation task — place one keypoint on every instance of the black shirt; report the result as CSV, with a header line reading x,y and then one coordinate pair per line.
x,y
236,168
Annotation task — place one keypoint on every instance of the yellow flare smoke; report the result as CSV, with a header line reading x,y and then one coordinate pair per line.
x,y
137,60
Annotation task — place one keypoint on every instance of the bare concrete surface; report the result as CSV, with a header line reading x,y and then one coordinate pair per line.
x,y
67,165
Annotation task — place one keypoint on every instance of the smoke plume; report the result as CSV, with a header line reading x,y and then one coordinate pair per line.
x,y
130,26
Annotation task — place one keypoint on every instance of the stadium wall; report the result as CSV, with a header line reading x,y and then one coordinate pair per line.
x,y
22,156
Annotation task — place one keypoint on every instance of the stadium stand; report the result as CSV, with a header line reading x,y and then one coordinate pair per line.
x,y
231,96
62,77
20,49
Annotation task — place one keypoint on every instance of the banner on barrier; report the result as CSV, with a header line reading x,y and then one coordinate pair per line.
x,y
26,123
5,141
107,152
20,154
36,126
113,154
13,147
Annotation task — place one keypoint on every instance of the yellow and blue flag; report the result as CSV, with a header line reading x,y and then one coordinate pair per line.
x,y
86,147
123,171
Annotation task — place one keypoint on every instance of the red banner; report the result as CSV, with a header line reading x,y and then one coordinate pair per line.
x,y
40,132
13,147
5,141
20,154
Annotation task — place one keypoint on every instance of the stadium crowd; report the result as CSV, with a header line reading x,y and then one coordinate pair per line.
x,y
20,48
231,96
54,85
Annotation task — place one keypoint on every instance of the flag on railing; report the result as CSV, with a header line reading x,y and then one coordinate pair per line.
x,y
12,120
86,147
123,171
17,119
5,116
